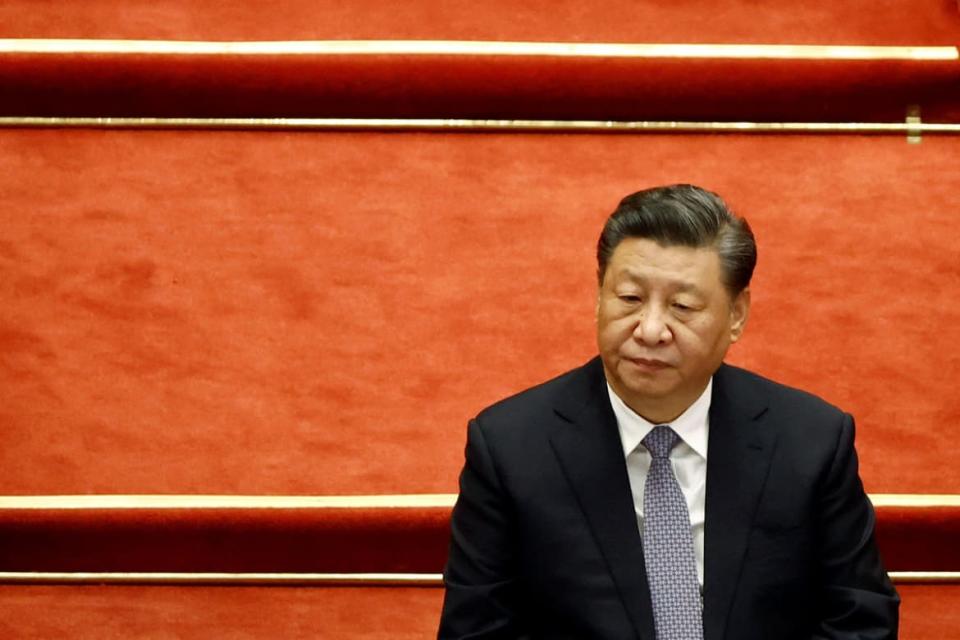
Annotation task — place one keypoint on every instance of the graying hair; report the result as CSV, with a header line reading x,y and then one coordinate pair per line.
x,y
686,215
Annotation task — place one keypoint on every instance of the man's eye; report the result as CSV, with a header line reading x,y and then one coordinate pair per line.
x,y
629,298
681,307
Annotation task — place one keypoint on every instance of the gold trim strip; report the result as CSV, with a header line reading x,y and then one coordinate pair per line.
x,y
915,500
385,501
323,579
480,48
261,579
78,502
925,577
441,124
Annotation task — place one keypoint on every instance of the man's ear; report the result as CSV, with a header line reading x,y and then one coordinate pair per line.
x,y
739,312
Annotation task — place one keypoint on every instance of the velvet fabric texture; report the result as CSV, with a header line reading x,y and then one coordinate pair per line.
x,y
331,540
899,22
321,313
232,312
271,540
364,613
237,613
482,86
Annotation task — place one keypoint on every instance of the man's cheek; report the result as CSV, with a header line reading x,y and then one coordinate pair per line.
x,y
613,336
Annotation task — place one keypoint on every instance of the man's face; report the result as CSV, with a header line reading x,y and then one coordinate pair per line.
x,y
664,323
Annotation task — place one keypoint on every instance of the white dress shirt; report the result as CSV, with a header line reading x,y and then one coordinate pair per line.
x,y
688,458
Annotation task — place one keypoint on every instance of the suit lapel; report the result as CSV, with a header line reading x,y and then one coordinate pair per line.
x,y
738,458
587,444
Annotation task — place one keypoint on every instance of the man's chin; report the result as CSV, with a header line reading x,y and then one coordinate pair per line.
x,y
653,386
649,392
644,374
627,379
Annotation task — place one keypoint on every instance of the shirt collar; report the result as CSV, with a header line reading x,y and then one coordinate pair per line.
x,y
691,425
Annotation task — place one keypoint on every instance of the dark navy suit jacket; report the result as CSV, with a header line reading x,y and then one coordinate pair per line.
x,y
545,542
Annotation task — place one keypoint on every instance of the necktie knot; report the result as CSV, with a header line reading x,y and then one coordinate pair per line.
x,y
661,441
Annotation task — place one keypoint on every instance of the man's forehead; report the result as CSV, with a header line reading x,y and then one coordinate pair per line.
x,y
641,254
682,267
665,245
675,281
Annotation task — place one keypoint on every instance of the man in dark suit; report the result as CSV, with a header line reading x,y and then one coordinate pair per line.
x,y
655,492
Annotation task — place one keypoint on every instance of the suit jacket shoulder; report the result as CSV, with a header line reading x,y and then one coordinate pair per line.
x,y
791,412
544,396
741,380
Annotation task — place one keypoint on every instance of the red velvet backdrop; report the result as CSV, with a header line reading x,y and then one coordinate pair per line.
x,y
906,22
204,312
238,613
207,312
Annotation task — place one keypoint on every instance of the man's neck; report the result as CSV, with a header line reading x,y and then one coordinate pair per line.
x,y
659,410
656,414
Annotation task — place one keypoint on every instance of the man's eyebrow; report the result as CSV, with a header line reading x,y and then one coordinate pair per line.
x,y
686,287
680,285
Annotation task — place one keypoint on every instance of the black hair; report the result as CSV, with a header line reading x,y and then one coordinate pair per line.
x,y
686,215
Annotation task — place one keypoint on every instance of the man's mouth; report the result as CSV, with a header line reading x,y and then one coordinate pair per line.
x,y
647,364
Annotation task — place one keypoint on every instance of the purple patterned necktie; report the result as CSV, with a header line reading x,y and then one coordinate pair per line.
x,y
668,545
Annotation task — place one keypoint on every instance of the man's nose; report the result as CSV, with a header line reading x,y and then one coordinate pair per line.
x,y
652,327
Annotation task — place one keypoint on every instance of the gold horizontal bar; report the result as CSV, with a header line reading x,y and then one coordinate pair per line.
x,y
479,48
914,500
77,502
191,578
323,579
925,577
397,501
441,124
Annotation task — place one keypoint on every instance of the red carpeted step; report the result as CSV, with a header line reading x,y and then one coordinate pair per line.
x,y
363,613
379,534
477,80
238,613
232,539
